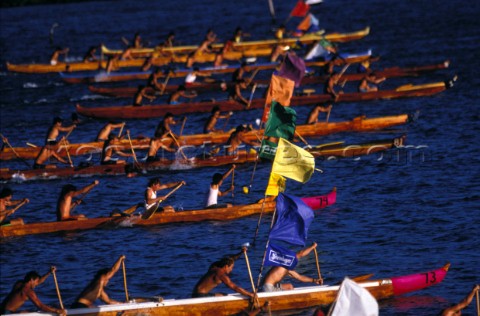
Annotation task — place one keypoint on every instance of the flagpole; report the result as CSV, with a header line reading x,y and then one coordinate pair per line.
x,y
259,220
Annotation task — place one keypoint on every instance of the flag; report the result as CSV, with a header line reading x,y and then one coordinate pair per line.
x,y
293,162
300,9
293,68
276,184
309,24
281,121
280,90
280,257
316,51
354,300
280,124
293,220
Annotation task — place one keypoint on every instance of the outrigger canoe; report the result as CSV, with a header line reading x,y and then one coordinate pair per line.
x,y
150,111
129,91
296,299
117,76
358,124
249,45
179,54
201,160
217,214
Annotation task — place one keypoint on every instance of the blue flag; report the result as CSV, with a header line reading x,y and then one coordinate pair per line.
x,y
280,257
293,220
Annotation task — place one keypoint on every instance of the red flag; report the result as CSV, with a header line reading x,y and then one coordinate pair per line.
x,y
300,9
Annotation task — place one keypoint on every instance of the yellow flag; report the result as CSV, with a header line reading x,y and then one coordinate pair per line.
x,y
276,184
293,162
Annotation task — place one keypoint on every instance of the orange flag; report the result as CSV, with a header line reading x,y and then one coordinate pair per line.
x,y
280,90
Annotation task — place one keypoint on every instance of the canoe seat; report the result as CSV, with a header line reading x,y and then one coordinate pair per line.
x,y
308,91
16,221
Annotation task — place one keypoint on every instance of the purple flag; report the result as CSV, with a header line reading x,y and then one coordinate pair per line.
x,y
281,257
293,68
293,220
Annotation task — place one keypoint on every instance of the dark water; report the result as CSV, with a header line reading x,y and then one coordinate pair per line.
x,y
393,216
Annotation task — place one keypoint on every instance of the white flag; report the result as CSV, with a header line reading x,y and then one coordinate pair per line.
x,y
354,300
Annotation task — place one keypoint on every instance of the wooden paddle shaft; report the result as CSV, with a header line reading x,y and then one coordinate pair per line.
x,y
58,290
183,125
131,146
302,139
478,304
328,115
173,190
233,182
14,151
125,281
318,264
249,271
178,145
121,130
68,153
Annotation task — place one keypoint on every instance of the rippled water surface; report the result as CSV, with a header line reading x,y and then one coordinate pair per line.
x,y
395,215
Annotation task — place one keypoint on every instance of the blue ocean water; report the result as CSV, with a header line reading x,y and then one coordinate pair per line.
x,y
394,215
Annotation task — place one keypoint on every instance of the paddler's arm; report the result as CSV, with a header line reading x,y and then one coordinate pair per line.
x,y
104,297
59,158
304,278
86,189
115,267
226,280
43,278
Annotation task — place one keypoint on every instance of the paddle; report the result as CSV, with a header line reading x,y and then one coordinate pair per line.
x,y
246,189
165,83
121,130
244,249
478,304
149,212
77,202
303,139
56,286
5,140
178,145
328,114
127,212
226,121
125,281
318,266
251,96
233,182
137,165
183,125
64,139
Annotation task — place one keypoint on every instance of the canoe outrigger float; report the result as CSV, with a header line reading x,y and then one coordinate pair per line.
x,y
178,54
149,111
296,299
129,91
309,38
358,124
172,72
18,228
205,160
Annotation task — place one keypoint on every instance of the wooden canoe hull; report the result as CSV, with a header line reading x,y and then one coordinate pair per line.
x,y
248,45
358,124
129,92
337,150
74,78
218,214
149,111
296,299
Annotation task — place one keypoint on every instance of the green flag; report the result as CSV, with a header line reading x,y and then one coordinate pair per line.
x,y
280,124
